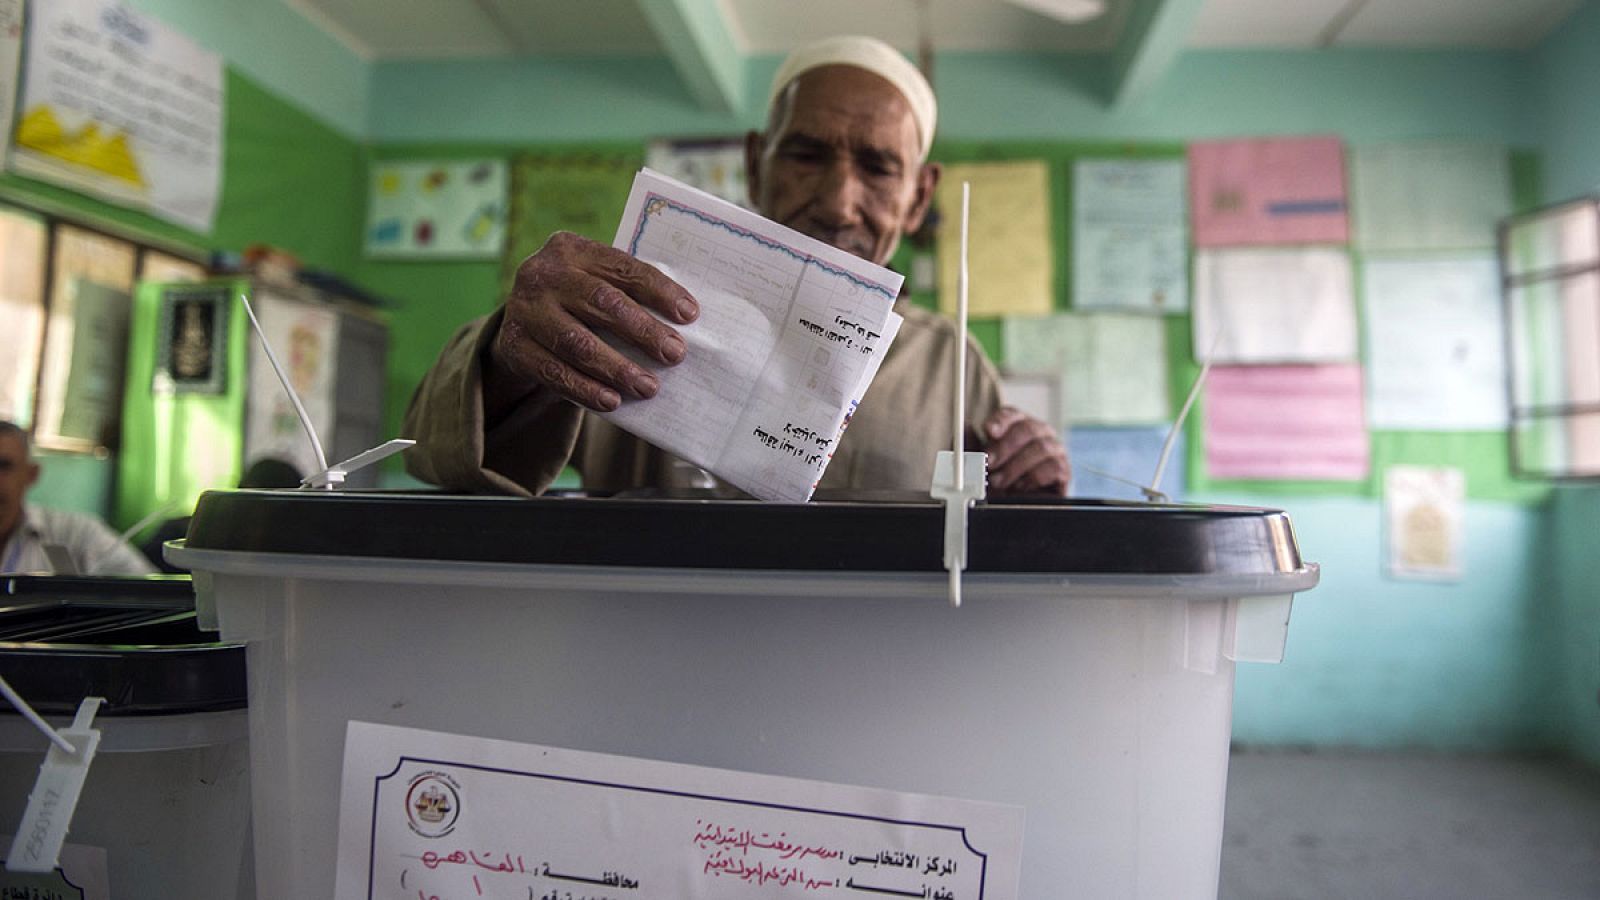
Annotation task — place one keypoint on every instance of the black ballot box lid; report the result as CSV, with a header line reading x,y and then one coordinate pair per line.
x,y
864,533
132,640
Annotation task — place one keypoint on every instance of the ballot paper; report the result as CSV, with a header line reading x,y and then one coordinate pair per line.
x,y
790,334
430,815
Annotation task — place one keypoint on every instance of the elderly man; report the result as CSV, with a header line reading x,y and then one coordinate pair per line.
x,y
843,159
45,541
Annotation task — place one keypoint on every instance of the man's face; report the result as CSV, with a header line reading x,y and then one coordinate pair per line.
x,y
841,162
17,474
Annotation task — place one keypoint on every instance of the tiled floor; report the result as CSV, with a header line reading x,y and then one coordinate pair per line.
x,y
1352,826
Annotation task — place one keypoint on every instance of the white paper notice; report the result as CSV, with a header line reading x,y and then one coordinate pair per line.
x,y
117,104
1423,507
10,56
1435,344
1130,244
431,815
790,335
1274,306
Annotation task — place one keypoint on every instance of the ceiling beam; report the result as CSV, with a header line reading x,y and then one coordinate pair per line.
x,y
700,44
1152,39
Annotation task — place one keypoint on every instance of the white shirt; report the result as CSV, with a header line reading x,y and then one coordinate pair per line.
x,y
91,545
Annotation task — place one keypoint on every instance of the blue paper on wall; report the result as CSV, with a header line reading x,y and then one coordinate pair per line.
x,y
1100,456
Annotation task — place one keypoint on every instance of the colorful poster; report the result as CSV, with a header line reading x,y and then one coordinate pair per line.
x,y
437,210
1435,344
1285,422
1115,463
1268,191
1423,514
714,165
1009,253
1112,368
1130,237
1274,305
1429,195
305,338
118,105
434,815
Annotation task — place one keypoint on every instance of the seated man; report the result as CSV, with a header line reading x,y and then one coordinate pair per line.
x,y
45,541
844,160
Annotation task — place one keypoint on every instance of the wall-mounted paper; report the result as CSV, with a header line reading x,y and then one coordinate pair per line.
x,y
427,814
713,165
1423,517
1009,250
1435,344
1105,460
1285,422
446,209
118,105
10,60
1130,238
1429,195
1268,191
1113,368
1273,305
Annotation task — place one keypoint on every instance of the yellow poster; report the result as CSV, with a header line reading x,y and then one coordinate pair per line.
x,y
1010,269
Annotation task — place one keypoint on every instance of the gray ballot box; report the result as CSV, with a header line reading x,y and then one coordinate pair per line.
x,y
1088,676
168,793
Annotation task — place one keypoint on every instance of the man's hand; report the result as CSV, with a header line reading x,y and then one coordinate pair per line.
x,y
1025,455
561,296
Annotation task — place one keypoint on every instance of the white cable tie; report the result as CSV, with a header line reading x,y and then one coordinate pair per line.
x,y
299,410
35,719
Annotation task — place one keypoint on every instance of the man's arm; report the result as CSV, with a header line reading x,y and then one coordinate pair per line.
x,y
501,408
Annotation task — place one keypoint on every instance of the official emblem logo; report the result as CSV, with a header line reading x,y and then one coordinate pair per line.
x,y
433,803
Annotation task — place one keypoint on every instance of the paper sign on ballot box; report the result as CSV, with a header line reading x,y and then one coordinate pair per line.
x,y
432,816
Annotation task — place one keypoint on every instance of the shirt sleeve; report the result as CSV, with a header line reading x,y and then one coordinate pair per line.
x,y
100,551
521,455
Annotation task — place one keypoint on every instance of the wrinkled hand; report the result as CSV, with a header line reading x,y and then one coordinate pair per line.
x,y
1025,455
561,296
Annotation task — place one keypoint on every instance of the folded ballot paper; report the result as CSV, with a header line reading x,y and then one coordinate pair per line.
x,y
790,334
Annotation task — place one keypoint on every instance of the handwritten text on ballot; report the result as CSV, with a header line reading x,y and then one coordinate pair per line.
x,y
431,816
790,334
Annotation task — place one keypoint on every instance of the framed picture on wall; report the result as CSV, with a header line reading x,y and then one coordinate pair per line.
x,y
191,340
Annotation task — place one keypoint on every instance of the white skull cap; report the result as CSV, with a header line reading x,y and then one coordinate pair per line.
x,y
876,57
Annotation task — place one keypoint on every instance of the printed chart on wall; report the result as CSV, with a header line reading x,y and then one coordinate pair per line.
x,y
1130,243
438,209
425,814
117,105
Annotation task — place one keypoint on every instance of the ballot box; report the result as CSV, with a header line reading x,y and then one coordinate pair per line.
x,y
1087,677
167,797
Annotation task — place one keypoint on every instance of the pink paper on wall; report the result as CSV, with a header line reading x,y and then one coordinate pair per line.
x,y
1268,191
1298,422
